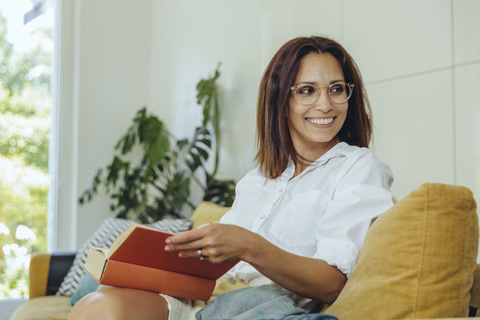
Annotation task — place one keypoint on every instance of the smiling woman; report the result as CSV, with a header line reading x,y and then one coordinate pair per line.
x,y
299,219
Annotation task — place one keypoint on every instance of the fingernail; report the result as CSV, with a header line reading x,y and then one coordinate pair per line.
x,y
167,248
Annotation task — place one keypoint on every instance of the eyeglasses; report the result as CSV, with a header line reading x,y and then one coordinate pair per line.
x,y
308,94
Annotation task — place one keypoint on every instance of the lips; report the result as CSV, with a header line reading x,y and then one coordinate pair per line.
x,y
321,121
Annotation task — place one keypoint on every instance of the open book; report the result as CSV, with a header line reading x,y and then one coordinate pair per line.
x,y
137,260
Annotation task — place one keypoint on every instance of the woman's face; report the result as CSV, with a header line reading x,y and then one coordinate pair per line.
x,y
314,128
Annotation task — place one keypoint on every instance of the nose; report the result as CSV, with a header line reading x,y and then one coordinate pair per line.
x,y
323,102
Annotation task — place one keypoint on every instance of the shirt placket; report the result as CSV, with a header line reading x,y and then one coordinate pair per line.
x,y
267,209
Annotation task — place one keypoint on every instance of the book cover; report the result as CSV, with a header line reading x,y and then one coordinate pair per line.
x,y
137,260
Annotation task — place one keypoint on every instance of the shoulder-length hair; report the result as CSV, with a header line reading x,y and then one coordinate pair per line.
x,y
274,144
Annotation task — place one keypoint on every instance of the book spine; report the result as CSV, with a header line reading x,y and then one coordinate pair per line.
x,y
127,275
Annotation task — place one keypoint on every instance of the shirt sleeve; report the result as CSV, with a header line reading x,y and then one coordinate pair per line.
x,y
361,194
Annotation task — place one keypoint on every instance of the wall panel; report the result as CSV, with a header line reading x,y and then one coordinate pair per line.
x,y
467,124
466,30
396,38
414,130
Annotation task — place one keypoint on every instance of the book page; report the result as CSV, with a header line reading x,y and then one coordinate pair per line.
x,y
96,260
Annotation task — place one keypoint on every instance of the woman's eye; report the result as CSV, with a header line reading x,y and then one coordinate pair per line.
x,y
306,90
337,89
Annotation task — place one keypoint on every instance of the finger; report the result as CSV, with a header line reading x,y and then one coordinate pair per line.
x,y
197,253
188,246
186,237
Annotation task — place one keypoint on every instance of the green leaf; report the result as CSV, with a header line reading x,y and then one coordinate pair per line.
x,y
158,149
206,94
115,169
221,192
150,129
126,143
154,138
179,190
194,154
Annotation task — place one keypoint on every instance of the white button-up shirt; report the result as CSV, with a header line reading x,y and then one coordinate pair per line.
x,y
324,212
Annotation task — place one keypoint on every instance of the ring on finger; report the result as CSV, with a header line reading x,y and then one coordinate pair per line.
x,y
202,257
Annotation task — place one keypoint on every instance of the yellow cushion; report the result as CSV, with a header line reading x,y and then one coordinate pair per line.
x,y
44,308
207,212
38,274
224,284
418,259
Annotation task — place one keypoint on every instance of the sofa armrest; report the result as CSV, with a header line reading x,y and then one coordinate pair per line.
x,y
38,274
47,271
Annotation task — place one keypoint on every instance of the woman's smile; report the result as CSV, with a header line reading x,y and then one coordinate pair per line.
x,y
320,121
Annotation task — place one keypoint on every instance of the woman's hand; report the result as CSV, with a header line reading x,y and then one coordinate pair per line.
x,y
307,277
216,242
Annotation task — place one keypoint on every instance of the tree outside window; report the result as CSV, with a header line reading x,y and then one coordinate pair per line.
x,y
25,106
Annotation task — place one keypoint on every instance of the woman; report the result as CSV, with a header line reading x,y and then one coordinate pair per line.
x,y
300,218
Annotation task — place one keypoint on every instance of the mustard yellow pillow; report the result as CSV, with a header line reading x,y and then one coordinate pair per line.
x,y
207,212
418,259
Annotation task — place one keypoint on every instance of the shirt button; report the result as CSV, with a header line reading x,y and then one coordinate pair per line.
x,y
280,190
262,216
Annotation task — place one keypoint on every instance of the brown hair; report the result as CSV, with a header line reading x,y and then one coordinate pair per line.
x,y
274,143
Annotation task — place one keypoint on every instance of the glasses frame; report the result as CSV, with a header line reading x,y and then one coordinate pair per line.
x,y
320,89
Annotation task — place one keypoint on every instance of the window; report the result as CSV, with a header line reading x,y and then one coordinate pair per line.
x,y
26,47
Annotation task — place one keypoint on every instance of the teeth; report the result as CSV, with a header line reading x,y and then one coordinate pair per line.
x,y
320,121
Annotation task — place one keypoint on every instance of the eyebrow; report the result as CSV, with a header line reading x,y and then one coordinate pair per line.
x,y
316,83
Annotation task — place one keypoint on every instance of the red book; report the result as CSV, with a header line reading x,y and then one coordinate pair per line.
x,y
137,260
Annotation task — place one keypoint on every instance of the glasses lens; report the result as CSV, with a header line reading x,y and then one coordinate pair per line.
x,y
339,92
306,94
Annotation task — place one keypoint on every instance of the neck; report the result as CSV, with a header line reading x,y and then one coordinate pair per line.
x,y
312,154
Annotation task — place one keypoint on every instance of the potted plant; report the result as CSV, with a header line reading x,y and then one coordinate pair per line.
x,y
159,184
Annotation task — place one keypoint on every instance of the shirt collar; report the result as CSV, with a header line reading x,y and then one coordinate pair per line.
x,y
341,149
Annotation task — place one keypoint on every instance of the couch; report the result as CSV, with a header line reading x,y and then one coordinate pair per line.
x,y
418,261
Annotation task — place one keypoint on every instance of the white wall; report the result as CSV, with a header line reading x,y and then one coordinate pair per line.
x,y
423,114
106,53
420,60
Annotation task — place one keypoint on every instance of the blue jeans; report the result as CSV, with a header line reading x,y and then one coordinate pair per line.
x,y
308,317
